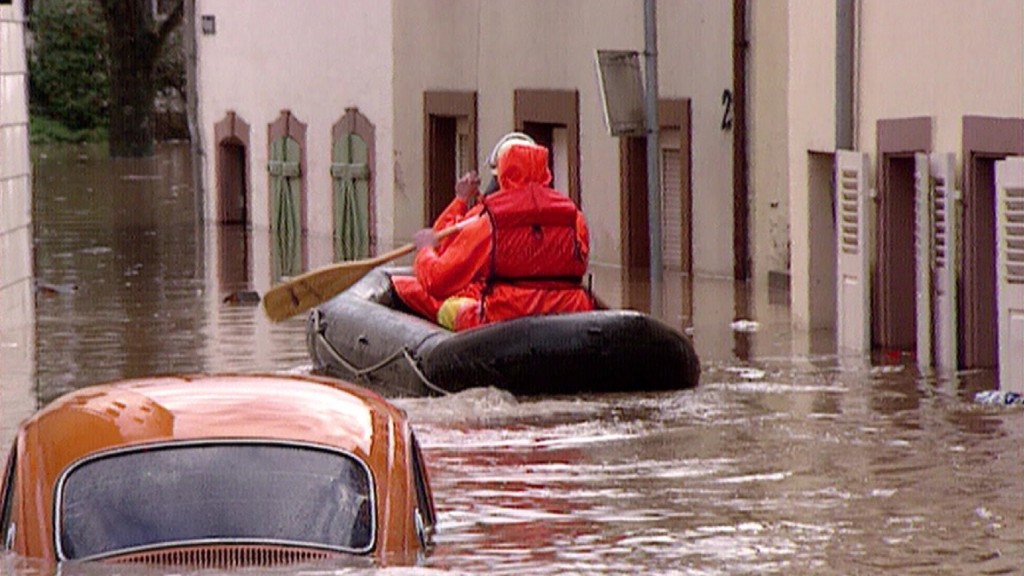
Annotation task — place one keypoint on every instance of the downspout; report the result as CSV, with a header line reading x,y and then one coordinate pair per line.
x,y
195,133
653,152
740,164
844,74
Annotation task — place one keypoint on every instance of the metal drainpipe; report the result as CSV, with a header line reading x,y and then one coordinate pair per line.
x,y
653,152
195,130
844,74
740,166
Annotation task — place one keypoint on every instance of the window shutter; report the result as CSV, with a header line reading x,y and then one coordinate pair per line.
x,y
1010,272
946,226
923,255
671,210
285,208
350,173
853,293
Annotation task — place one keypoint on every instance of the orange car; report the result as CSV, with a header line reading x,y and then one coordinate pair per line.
x,y
218,471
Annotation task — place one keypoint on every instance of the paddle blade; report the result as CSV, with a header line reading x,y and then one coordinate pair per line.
x,y
306,291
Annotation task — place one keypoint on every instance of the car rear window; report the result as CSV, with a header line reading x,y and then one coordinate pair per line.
x,y
181,494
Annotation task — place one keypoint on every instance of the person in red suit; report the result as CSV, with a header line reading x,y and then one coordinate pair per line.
x,y
464,205
524,255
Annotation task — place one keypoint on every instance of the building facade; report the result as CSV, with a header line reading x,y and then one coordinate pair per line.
x,y
930,96
376,108
352,119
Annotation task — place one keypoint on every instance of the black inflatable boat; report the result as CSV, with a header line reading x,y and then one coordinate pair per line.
x,y
362,335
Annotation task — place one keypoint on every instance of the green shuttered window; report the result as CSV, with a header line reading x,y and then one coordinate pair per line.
x,y
285,207
350,173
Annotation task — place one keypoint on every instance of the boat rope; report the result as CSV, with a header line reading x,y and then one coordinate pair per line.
x,y
363,374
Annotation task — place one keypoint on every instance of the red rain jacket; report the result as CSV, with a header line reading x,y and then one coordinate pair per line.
x,y
525,256
409,289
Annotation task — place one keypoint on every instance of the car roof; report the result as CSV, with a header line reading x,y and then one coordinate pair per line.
x,y
251,406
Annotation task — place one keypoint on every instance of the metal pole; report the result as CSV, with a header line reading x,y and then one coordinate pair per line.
x,y
653,151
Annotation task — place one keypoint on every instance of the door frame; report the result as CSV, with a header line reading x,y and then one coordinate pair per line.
x,y
897,141
232,130
634,230
438,165
985,141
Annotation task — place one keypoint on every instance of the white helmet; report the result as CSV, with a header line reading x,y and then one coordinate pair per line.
x,y
504,144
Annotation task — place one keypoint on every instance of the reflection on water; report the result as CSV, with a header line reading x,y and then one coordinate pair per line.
x,y
777,470
786,460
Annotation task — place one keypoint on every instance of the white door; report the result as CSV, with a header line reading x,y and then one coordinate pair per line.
x,y
1010,272
923,255
853,290
945,231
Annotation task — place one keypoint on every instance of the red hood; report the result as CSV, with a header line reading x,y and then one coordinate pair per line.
x,y
522,165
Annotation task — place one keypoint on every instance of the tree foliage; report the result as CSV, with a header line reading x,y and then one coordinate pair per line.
x,y
68,63
137,38
103,63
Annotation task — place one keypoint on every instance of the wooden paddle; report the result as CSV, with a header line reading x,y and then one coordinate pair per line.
x,y
299,294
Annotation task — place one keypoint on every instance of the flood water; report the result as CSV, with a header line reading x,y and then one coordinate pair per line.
x,y
786,460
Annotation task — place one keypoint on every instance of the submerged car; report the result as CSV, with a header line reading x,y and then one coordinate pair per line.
x,y
218,471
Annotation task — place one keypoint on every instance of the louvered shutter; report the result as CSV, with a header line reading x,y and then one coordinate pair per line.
x,y
945,257
923,257
285,209
671,210
350,173
853,293
1010,272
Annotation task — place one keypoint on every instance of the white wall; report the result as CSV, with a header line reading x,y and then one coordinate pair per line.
x,y
939,58
769,136
695,61
17,305
315,59
811,122
497,46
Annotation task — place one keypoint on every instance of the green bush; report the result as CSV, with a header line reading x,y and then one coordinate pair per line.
x,y
69,79
45,130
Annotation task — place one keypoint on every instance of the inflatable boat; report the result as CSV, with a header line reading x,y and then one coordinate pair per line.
x,y
365,335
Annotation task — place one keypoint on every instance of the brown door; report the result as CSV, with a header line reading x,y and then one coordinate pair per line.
x,y
676,214
231,184
894,309
896,329
441,165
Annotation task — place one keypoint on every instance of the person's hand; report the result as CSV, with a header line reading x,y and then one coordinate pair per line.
x,y
468,187
424,238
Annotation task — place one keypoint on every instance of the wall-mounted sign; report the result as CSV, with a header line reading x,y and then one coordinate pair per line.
x,y
622,91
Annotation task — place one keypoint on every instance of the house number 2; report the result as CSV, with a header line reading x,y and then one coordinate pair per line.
x,y
726,109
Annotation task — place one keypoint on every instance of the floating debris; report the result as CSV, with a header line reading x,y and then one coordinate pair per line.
x,y
747,373
744,326
246,297
49,289
999,397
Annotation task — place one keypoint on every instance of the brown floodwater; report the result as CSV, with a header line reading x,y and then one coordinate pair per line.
x,y
788,459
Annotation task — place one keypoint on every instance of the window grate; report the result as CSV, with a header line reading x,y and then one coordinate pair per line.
x,y
224,556
940,216
1013,245
849,215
